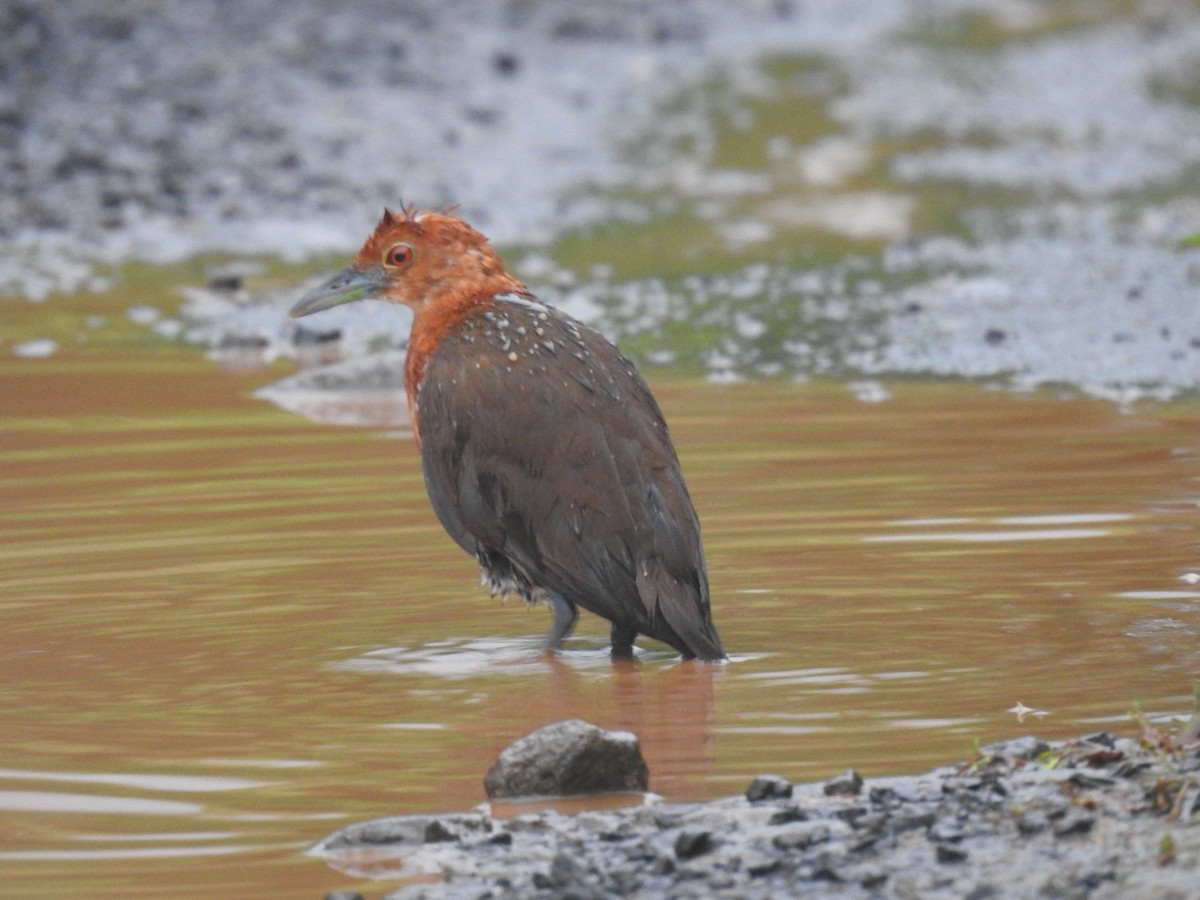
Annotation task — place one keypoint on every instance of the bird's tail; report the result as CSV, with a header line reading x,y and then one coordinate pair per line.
x,y
684,607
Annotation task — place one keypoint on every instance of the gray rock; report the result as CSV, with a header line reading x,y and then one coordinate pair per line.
x,y
691,844
792,813
567,877
758,865
1073,823
946,831
1101,738
568,758
436,832
801,835
1031,823
848,784
947,853
768,787
1025,747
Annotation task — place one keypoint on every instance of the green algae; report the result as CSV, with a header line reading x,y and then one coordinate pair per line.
x,y
723,186
982,31
731,151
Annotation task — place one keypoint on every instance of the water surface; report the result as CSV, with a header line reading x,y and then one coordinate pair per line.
x,y
228,631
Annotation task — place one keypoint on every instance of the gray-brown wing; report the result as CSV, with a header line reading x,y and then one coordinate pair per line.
x,y
545,449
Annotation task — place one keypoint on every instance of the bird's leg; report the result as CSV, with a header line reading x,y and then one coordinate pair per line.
x,y
565,615
622,642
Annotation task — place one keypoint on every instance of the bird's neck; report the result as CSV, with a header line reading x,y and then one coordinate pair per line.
x,y
434,322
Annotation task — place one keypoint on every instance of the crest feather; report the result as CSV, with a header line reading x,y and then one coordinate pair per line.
x,y
408,215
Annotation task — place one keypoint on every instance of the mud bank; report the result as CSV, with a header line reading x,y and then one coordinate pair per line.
x,y
1096,817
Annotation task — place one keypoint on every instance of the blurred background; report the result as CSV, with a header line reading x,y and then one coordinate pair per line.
x,y
965,188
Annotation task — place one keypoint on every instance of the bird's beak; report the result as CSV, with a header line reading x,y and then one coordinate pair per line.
x,y
346,286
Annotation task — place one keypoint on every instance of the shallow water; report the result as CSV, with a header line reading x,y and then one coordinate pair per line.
x,y
228,631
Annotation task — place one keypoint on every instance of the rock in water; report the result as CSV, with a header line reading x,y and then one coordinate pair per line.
x,y
568,758
768,787
848,784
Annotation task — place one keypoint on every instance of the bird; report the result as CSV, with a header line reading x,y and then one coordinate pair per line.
x,y
545,454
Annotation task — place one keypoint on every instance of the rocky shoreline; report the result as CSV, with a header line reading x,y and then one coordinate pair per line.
x,y
1096,817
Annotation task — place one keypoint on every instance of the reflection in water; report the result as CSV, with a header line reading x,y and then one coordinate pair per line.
x,y
414,863
1160,595
668,704
977,537
1006,530
1073,519
45,801
139,853
255,627
671,710
475,657
361,409
167,783
366,392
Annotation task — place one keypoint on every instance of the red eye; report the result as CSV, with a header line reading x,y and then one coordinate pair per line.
x,y
398,256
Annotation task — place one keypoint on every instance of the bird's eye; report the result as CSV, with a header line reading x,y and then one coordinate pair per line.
x,y
398,256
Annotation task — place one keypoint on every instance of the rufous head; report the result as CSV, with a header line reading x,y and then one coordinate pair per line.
x,y
426,260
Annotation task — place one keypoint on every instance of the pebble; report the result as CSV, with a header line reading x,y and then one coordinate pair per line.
x,y
848,784
1074,823
768,787
690,844
950,854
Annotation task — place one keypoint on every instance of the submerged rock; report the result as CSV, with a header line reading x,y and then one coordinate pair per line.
x,y
568,758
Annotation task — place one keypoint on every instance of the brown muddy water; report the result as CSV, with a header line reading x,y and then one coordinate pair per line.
x,y
227,631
